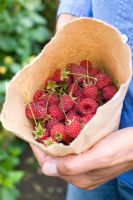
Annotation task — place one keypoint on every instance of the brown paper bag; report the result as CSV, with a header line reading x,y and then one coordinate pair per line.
x,y
81,39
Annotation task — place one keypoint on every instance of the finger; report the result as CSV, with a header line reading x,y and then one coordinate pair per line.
x,y
73,164
80,181
39,154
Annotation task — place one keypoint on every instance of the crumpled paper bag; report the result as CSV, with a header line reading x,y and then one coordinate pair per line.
x,y
81,39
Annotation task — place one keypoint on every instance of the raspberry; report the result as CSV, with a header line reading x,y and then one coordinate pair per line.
x,y
73,89
73,129
103,80
69,81
90,91
86,63
76,69
87,106
66,103
55,112
49,99
38,111
57,76
40,133
78,93
72,114
51,123
43,100
68,140
93,71
53,99
37,95
77,101
58,132
87,118
108,92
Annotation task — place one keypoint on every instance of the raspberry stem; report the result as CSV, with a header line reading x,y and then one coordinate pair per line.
x,y
83,75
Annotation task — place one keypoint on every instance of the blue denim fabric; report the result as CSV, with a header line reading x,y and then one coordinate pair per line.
x,y
112,190
118,13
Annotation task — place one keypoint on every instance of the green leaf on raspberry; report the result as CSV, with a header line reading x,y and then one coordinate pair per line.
x,y
39,130
52,86
48,142
64,74
116,83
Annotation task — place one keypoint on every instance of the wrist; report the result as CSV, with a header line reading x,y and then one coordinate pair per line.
x,y
64,19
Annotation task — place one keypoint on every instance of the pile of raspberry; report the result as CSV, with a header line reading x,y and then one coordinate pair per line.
x,y
68,100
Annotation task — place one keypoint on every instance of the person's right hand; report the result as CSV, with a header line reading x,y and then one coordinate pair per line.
x,y
64,19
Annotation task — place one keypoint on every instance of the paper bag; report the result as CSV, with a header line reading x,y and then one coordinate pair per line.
x,y
76,41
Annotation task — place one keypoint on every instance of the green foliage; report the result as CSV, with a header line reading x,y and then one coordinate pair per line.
x,y
10,150
23,32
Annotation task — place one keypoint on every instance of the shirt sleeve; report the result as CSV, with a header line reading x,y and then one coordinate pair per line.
x,y
79,8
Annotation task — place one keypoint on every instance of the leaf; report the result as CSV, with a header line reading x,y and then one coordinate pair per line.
x,y
37,18
8,193
3,155
41,34
26,22
3,85
15,176
7,43
15,67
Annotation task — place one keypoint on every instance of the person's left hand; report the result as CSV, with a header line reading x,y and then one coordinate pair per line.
x,y
110,157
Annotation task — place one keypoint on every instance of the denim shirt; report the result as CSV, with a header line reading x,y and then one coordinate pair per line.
x,y
118,13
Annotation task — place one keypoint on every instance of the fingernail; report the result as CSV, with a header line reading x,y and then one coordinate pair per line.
x,y
50,169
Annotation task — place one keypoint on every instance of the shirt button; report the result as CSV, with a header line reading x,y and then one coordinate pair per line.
x,y
124,38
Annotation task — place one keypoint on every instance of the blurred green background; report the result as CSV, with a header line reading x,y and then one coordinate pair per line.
x,y
25,27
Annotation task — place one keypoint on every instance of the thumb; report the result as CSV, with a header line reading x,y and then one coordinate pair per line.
x,y
70,165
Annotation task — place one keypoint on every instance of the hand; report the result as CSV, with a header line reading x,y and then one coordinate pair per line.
x,y
111,156
64,19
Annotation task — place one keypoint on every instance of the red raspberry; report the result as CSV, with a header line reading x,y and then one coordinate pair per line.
x,y
49,99
43,100
57,76
90,91
69,81
76,69
87,106
87,118
51,123
77,101
55,112
58,132
68,140
86,63
93,71
40,133
72,114
38,111
72,89
103,80
73,129
66,103
78,93
53,99
108,92
37,95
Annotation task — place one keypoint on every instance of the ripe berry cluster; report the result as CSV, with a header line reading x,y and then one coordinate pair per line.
x,y
69,100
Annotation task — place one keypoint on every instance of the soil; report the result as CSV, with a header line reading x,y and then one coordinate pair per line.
x,y
36,186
